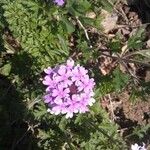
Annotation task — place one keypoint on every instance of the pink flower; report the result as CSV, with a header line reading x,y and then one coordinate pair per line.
x,y
86,84
70,64
59,2
64,76
60,92
69,89
48,70
78,73
50,82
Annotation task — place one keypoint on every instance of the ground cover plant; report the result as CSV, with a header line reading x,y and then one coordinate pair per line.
x,y
74,75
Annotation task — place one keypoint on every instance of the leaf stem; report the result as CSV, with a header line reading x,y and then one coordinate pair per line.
x,y
85,31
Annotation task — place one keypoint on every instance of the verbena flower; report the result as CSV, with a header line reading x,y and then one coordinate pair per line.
x,y
59,2
137,147
69,89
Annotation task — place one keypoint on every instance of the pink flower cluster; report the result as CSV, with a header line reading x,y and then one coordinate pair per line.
x,y
69,89
59,2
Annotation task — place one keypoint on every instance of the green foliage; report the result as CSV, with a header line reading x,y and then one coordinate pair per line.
x,y
135,41
140,132
86,131
107,5
106,86
120,80
5,70
35,25
115,45
44,32
145,53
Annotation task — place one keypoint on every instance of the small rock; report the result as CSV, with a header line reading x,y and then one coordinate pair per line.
x,y
148,43
91,15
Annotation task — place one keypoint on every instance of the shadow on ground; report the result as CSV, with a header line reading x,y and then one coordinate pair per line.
x,y
13,127
142,8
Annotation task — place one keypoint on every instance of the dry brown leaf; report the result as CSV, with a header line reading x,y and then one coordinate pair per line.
x,y
109,22
107,64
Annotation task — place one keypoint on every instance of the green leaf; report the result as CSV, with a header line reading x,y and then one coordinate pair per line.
x,y
83,6
63,123
96,108
145,53
79,119
120,79
135,41
115,45
72,11
69,26
63,44
87,21
78,8
5,70
107,5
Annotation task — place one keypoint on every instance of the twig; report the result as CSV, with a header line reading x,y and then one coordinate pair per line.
x,y
34,102
130,26
111,107
125,65
30,128
85,31
121,12
126,60
135,53
22,137
124,15
64,146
